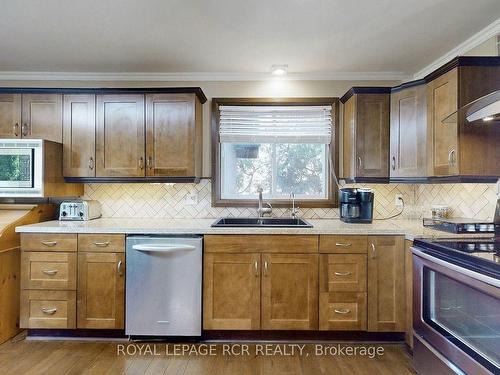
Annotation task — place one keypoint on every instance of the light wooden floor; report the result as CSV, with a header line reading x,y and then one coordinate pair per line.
x,y
71,357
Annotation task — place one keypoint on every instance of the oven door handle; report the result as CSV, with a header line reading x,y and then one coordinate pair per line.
x,y
464,271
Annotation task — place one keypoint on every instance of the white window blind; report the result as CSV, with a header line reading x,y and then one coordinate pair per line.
x,y
275,124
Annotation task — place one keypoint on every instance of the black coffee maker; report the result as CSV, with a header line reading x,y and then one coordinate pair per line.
x,y
356,205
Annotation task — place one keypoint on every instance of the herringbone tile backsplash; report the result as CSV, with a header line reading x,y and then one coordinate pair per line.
x,y
169,201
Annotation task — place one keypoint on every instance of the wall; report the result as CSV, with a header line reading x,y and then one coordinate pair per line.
x,y
169,200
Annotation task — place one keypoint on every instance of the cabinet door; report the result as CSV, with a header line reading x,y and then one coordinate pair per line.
x,y
10,116
42,116
290,291
408,133
100,293
372,135
79,136
349,126
120,136
231,291
442,101
386,284
171,147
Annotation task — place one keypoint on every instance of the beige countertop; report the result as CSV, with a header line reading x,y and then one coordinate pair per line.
x,y
409,228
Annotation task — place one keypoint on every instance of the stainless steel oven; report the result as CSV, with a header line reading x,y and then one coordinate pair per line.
x,y
456,317
21,167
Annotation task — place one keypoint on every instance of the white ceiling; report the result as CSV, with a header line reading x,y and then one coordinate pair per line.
x,y
235,36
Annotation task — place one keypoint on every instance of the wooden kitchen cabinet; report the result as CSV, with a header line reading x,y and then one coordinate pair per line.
x,y
31,116
386,284
442,101
289,291
101,290
10,115
231,284
42,116
79,135
366,134
460,148
120,136
408,145
173,135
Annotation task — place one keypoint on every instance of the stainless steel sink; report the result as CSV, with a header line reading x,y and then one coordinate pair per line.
x,y
261,222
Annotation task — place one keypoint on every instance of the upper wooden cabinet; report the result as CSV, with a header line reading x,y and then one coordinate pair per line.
x,y
366,133
457,146
10,116
42,116
408,151
386,284
173,135
120,136
79,136
31,116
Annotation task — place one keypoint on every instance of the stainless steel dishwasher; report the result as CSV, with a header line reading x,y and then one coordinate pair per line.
x,y
163,286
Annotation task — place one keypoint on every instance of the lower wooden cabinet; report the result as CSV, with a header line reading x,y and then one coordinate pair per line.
x,y
342,311
289,291
260,291
45,270
48,309
101,290
231,291
386,284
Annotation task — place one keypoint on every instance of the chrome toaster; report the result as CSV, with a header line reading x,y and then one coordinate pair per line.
x,y
79,210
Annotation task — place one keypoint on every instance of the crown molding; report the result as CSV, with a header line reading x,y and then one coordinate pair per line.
x,y
489,31
194,77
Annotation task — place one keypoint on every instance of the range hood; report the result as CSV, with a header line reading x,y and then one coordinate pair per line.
x,y
485,109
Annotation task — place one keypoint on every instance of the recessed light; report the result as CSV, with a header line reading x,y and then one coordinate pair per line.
x,y
279,70
488,118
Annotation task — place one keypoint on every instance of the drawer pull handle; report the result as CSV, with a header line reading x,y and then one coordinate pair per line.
x,y
102,244
49,243
256,267
49,311
341,244
342,273
50,272
120,268
342,311
373,250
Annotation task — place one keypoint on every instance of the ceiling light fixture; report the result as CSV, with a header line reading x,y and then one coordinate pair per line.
x,y
488,118
279,70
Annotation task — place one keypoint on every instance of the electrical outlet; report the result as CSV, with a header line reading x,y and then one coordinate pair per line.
x,y
191,198
398,200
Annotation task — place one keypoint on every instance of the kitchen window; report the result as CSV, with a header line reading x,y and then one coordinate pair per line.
x,y
282,146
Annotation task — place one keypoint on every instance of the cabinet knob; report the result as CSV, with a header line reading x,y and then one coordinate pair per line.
x,y
393,163
149,163
25,129
141,163
16,129
120,268
373,250
91,163
451,157
360,161
256,267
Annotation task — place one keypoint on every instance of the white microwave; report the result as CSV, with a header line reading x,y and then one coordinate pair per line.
x,y
32,168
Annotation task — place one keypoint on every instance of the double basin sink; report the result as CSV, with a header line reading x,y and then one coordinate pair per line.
x,y
261,222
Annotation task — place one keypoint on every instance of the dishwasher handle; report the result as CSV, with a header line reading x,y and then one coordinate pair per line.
x,y
158,248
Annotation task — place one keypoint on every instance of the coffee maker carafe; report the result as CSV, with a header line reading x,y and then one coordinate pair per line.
x,y
356,205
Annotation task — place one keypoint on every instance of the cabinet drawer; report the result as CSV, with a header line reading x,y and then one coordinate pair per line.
x,y
48,271
343,273
48,309
343,244
102,243
277,243
48,242
342,311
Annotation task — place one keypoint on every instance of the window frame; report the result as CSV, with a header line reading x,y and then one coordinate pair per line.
x,y
332,195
